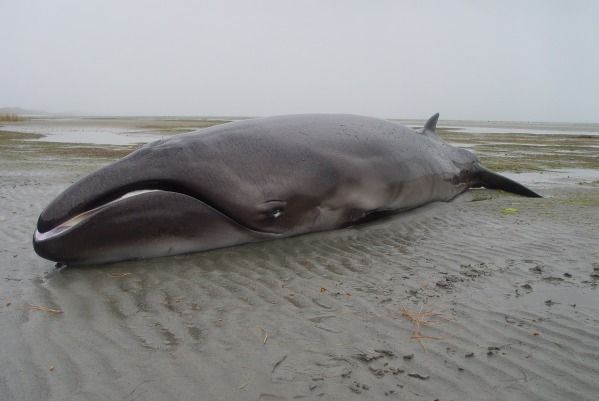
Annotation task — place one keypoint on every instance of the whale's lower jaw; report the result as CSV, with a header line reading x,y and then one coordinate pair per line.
x,y
138,225
74,221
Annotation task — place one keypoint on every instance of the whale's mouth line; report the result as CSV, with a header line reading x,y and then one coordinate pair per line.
x,y
78,219
81,217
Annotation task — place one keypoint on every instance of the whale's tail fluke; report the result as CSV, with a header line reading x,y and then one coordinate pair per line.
x,y
488,179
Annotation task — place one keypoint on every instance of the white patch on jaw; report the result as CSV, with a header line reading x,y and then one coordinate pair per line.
x,y
277,213
73,221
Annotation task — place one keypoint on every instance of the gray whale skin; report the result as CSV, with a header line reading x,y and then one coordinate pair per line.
x,y
255,180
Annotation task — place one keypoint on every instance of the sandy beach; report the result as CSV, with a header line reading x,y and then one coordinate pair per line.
x,y
489,297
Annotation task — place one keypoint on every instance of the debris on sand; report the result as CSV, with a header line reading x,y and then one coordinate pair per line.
x,y
357,387
443,284
264,333
527,286
119,274
276,365
448,282
475,270
378,372
385,352
419,376
423,318
43,309
494,350
537,268
364,357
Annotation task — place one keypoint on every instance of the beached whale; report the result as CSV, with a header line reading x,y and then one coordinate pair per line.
x,y
255,180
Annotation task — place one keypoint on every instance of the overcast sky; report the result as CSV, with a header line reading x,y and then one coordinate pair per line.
x,y
500,60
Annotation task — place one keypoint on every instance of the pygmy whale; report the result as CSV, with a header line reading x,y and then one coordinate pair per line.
x,y
254,180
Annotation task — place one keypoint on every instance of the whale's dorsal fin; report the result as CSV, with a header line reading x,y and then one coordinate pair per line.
x,y
431,124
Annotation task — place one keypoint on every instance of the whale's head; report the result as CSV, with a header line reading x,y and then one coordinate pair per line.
x,y
185,194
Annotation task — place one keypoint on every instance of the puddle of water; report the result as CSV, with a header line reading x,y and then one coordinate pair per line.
x,y
510,127
564,177
68,131
89,135
561,296
101,138
462,145
525,131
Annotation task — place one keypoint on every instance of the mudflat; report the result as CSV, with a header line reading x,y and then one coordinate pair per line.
x,y
491,296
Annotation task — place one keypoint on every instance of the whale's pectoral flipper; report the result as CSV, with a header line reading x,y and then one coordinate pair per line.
x,y
431,125
489,179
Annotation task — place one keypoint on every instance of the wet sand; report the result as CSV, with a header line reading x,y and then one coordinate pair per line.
x,y
509,285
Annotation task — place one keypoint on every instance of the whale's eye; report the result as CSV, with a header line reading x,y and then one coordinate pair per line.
x,y
273,209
